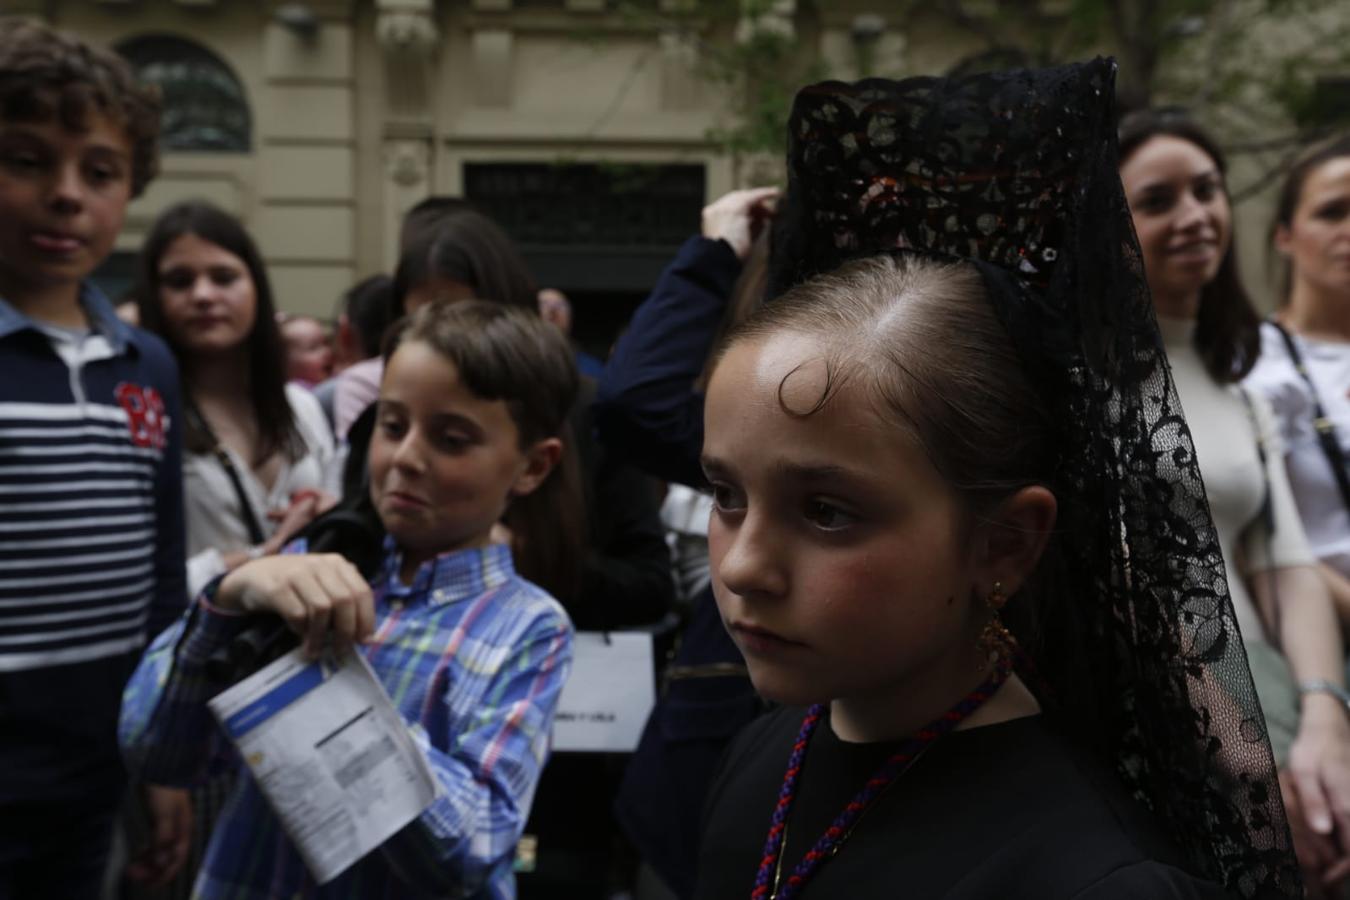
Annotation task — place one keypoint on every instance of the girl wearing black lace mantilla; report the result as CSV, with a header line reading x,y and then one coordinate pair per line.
x,y
959,531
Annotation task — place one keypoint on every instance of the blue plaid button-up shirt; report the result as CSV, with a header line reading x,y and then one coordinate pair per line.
x,y
473,656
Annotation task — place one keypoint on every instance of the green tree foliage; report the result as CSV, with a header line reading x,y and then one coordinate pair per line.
x,y
1267,75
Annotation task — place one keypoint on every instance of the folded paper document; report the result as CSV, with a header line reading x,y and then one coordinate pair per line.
x,y
330,753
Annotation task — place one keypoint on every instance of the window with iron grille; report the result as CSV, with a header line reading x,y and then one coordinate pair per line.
x,y
205,109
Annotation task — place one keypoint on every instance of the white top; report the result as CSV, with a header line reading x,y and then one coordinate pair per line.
x,y
215,520
1225,446
1319,500
685,513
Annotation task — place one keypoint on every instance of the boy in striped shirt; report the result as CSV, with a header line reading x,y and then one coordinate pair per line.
x,y
91,521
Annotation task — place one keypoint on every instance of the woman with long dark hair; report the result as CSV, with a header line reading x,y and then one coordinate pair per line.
x,y
1173,174
257,452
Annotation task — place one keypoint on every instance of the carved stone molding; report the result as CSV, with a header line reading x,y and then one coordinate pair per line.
x,y
408,177
403,26
407,163
406,31
329,10
407,34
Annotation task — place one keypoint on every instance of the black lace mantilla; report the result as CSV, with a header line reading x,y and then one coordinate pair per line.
x,y
1136,644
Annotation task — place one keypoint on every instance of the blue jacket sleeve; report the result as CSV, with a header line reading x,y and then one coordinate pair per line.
x,y
646,404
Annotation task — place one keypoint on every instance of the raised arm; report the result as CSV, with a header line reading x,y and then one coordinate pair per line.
x,y
646,401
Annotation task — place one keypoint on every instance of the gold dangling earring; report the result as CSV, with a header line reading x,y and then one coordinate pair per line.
x,y
995,639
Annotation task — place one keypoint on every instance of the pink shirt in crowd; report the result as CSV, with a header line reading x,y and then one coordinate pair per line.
x,y
358,386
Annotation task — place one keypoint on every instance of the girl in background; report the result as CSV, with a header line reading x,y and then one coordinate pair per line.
x,y
469,425
258,460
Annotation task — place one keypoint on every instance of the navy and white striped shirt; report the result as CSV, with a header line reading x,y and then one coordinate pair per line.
x,y
91,540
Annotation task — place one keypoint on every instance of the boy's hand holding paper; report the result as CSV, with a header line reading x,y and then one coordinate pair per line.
x,y
315,594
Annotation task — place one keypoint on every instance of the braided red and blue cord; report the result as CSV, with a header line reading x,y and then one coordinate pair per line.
x,y
890,770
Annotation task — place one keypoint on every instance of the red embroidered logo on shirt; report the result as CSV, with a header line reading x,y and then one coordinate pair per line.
x,y
145,414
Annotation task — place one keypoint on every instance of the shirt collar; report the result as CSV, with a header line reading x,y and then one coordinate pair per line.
x,y
102,318
450,577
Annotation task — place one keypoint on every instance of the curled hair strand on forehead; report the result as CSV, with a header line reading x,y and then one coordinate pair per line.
x,y
834,381
926,345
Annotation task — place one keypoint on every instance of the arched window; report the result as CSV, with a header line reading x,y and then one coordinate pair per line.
x,y
204,104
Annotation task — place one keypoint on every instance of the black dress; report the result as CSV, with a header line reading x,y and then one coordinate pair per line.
x,y
1004,811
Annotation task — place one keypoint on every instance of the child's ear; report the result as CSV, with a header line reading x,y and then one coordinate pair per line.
x,y
539,461
1010,540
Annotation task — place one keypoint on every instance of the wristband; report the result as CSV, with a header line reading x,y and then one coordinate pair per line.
x,y
1322,686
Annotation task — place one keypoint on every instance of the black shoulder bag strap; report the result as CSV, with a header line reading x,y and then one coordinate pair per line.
x,y
255,532
1326,432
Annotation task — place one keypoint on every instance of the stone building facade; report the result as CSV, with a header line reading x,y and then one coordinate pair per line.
x,y
321,123
581,126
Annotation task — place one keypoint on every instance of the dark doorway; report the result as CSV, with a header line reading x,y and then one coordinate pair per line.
x,y
600,233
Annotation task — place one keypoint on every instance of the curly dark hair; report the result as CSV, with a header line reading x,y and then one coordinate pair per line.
x,y
47,74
